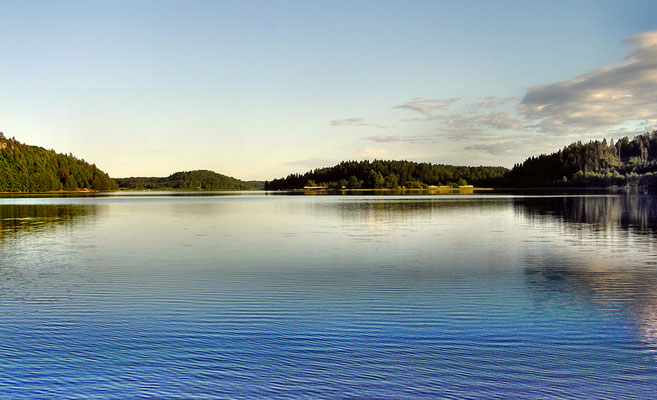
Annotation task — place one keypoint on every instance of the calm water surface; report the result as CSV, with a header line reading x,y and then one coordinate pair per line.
x,y
255,296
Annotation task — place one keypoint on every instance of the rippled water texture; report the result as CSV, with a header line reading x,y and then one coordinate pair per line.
x,y
254,296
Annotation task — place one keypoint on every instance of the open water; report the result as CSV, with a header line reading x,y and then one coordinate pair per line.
x,y
252,296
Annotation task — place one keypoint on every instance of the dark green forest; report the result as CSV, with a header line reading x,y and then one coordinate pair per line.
x,y
380,174
625,162
593,164
256,185
25,168
185,180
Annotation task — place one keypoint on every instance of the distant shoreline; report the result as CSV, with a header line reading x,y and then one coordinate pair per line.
x,y
62,192
400,189
320,191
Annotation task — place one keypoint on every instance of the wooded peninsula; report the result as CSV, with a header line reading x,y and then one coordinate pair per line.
x,y
625,162
25,168
186,180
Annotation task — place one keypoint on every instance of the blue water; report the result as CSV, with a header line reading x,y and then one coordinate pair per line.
x,y
256,296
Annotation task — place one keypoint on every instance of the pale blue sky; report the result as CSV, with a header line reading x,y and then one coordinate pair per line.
x,y
261,89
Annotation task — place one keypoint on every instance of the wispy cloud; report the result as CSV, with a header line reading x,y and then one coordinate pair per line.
x,y
515,146
614,100
500,120
428,107
372,152
398,138
460,127
601,99
496,149
356,121
493,102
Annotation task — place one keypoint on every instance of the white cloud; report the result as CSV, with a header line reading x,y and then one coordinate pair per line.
x,y
604,98
615,100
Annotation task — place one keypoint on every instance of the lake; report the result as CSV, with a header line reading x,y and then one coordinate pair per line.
x,y
254,295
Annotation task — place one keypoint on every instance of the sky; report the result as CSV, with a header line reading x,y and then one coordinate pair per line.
x,y
261,89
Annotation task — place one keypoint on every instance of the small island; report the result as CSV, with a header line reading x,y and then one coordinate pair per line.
x,y
185,180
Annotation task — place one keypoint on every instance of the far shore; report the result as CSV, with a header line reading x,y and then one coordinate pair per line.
x,y
399,189
322,189
62,192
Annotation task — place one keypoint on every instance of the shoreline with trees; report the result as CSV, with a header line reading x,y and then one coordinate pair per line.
x,y
596,164
33,169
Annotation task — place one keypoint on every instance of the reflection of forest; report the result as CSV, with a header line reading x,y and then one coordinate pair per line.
x,y
386,211
387,192
632,291
636,213
631,286
19,218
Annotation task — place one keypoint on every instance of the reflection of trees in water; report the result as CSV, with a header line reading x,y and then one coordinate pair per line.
x,y
33,218
403,210
25,274
370,192
627,283
632,291
635,213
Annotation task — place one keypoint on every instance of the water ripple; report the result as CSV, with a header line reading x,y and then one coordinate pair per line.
x,y
321,298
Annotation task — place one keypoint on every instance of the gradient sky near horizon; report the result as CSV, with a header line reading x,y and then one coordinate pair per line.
x,y
260,89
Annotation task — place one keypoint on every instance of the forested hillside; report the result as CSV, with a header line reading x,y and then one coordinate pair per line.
x,y
597,163
633,162
186,180
389,174
25,168
257,185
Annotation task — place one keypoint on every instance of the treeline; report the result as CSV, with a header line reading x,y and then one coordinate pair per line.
x,y
256,185
380,174
185,180
632,162
593,164
25,168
